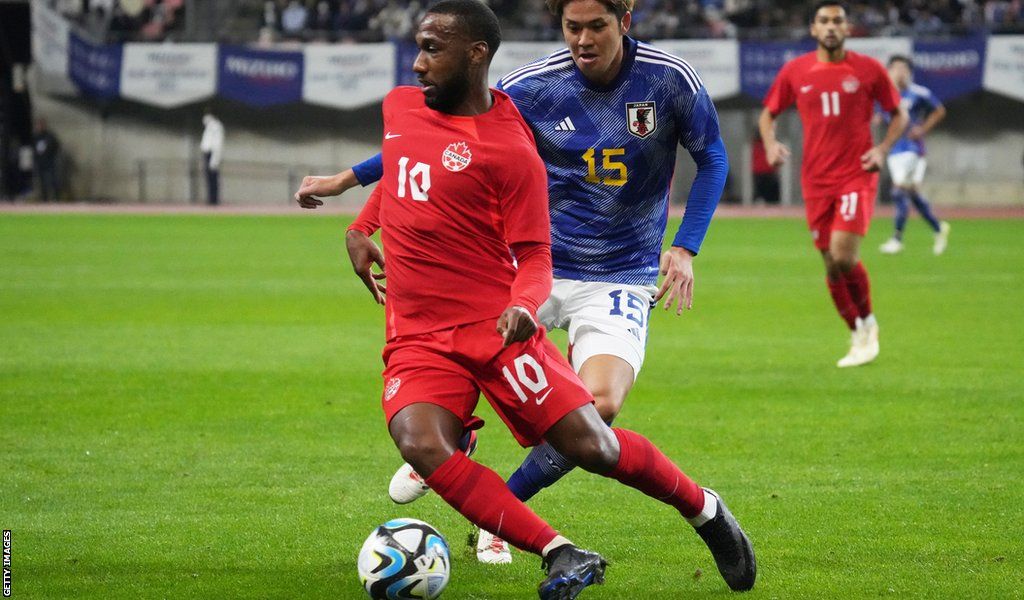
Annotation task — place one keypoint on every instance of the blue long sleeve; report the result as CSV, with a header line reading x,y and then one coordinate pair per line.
x,y
370,170
712,169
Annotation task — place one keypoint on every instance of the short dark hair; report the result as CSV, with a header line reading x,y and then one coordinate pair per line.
x,y
895,58
476,19
820,4
619,7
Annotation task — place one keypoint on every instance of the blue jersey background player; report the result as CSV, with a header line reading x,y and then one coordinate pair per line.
x,y
907,161
608,114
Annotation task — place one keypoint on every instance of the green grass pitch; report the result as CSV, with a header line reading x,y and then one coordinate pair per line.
x,y
189,408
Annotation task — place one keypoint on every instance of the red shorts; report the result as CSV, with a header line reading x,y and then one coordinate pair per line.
x,y
529,384
849,210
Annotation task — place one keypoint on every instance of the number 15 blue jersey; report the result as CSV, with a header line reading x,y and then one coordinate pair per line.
x,y
610,152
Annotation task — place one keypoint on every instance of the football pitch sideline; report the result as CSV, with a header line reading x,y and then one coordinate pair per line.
x,y
189,407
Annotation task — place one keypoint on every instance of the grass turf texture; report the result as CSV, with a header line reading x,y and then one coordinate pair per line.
x,y
190,408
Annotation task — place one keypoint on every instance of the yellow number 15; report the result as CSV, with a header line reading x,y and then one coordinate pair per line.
x,y
609,164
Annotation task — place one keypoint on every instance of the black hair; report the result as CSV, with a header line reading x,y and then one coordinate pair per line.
x,y
475,18
895,58
820,4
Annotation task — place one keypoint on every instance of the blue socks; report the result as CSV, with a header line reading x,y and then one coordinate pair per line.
x,y
899,198
542,467
922,206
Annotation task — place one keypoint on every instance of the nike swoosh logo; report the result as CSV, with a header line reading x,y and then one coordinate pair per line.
x,y
541,399
390,136
806,88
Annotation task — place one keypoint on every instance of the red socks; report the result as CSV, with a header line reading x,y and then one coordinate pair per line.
x,y
856,280
843,300
644,467
481,496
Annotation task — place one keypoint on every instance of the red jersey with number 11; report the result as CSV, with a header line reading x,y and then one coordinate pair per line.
x,y
836,102
456,193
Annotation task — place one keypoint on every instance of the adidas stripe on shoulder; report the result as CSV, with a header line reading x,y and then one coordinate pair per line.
x,y
648,54
555,61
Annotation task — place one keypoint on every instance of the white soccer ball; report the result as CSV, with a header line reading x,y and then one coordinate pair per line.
x,y
404,559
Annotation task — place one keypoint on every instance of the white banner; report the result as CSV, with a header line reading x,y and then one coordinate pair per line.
x,y
348,76
716,61
49,40
881,48
1004,66
169,75
512,55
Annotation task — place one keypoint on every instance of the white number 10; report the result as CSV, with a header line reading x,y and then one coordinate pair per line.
x,y
418,188
833,109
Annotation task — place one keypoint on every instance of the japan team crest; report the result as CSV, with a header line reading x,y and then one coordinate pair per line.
x,y
851,84
641,118
456,156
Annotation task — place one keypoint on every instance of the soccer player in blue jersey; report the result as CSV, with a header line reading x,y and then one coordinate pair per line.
x,y
607,113
906,160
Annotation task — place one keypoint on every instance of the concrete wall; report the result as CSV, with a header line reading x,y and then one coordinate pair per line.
x,y
124,152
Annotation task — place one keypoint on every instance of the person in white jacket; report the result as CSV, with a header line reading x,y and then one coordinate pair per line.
x,y
212,147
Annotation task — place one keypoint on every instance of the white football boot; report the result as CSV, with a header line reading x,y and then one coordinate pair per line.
x,y
891,246
941,238
863,345
492,550
407,485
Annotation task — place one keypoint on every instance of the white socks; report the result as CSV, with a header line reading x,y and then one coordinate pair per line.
x,y
558,542
707,513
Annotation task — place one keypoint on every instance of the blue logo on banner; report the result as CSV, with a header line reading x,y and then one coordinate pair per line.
x,y
950,68
94,68
260,77
760,63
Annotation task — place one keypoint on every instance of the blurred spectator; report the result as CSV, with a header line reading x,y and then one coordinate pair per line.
x,y
212,147
45,161
293,20
376,20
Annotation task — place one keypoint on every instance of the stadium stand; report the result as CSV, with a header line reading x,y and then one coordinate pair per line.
x,y
283,21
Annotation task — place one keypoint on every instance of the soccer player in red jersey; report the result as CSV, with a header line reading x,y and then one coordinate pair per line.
x,y
835,92
463,191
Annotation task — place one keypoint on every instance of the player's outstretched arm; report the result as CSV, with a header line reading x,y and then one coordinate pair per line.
x,y
365,173
775,151
314,187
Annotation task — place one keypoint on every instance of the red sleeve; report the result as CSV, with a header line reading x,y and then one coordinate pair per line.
x,y
532,284
780,96
523,197
885,92
368,220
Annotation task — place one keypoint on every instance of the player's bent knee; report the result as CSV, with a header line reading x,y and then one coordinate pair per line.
x,y
608,404
597,452
424,453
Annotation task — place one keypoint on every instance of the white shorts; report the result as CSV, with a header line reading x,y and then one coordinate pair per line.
x,y
601,318
906,168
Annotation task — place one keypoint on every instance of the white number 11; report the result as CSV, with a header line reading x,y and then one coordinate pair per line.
x,y
833,109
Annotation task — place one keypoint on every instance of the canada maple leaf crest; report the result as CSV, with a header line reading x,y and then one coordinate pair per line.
x,y
456,156
392,388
